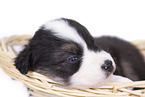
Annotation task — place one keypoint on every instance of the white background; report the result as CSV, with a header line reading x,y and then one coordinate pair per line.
x,y
121,18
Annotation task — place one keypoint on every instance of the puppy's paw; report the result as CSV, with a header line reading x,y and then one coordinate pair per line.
x,y
117,78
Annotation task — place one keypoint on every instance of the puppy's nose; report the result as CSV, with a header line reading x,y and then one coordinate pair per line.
x,y
107,66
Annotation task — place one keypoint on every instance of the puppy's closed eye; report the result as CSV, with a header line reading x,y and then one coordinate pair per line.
x,y
72,59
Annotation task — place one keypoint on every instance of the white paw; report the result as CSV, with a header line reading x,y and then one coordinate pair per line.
x,y
117,78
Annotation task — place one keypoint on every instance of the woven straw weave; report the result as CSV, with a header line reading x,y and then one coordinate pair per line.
x,y
41,86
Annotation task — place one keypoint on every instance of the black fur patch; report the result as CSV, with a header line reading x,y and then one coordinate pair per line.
x,y
84,33
48,55
125,55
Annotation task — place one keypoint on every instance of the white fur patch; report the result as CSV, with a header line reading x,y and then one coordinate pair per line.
x,y
117,78
90,74
62,30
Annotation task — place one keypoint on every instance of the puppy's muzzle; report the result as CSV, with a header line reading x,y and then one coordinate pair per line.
x,y
108,67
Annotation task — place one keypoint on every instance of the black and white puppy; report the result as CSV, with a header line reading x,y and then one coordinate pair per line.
x,y
64,50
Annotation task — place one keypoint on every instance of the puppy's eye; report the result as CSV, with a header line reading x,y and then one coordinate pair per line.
x,y
72,59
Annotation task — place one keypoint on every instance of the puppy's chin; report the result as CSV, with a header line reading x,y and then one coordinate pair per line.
x,y
88,83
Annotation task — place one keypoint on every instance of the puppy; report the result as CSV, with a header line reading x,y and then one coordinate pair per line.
x,y
64,50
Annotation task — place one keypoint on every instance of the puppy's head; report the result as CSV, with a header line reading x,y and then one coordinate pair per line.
x,y
64,50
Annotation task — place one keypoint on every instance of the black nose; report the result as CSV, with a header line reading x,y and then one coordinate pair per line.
x,y
107,66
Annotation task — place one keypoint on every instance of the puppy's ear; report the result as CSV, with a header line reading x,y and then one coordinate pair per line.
x,y
23,60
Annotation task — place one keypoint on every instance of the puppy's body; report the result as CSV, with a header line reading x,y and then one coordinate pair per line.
x,y
128,59
65,51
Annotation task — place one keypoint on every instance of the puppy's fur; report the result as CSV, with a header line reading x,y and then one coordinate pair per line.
x,y
129,61
65,51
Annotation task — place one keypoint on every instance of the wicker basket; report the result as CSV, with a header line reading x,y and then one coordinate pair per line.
x,y
41,86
